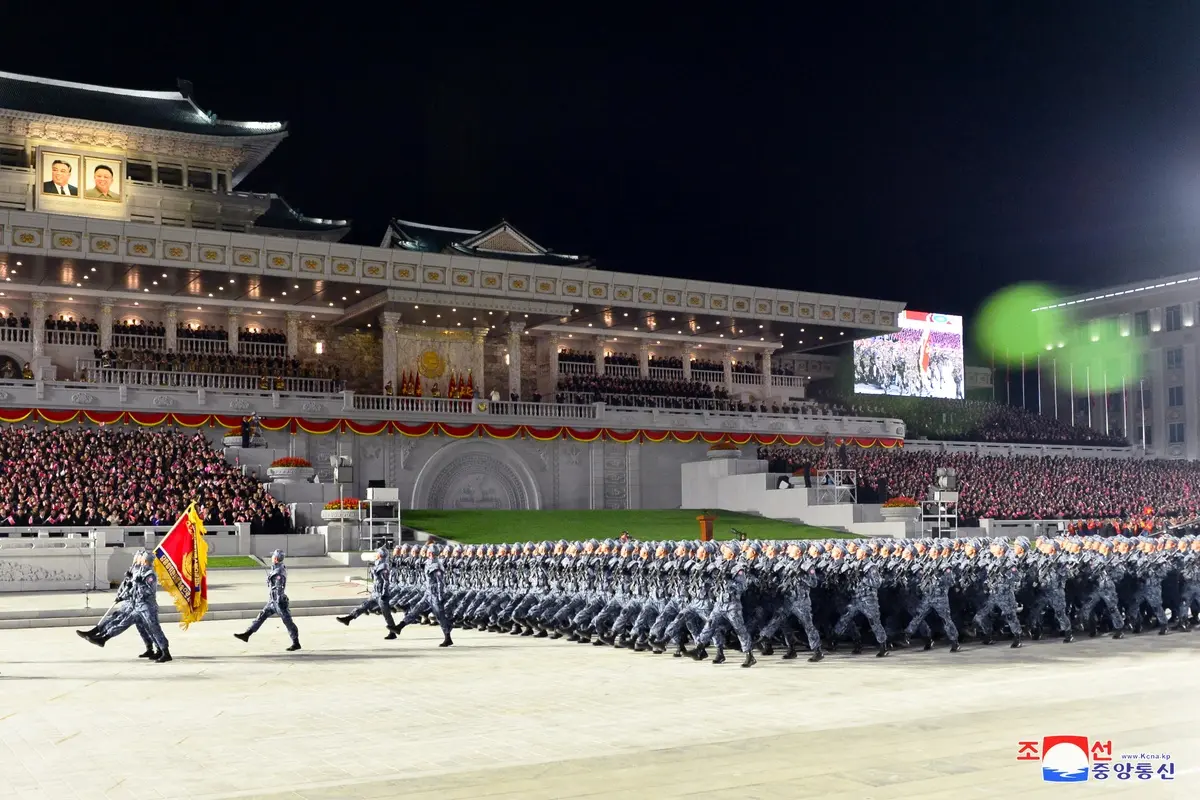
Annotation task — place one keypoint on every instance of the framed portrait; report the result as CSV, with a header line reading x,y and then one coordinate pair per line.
x,y
60,174
102,179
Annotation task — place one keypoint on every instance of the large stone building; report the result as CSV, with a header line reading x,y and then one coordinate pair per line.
x,y
138,279
1149,386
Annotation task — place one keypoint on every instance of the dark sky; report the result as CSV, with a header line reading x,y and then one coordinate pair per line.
x,y
928,155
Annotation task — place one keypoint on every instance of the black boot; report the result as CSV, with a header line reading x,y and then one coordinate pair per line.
x,y
163,657
816,656
720,659
1162,631
750,659
150,653
446,642
245,637
883,651
905,639
391,634
700,654
1016,642
528,631
1119,634
857,649
639,646
397,628
954,648
94,638
295,646
766,647
1070,637
928,644
791,652
680,651
541,634
345,620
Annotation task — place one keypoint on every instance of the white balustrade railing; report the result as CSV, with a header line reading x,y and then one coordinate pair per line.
x,y
708,375
787,381
543,410
139,342
623,370
262,349
15,335
93,372
747,379
640,401
189,344
429,405
576,368
73,338
666,373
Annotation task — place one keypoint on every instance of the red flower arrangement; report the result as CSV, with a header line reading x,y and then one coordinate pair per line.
x,y
291,461
345,504
901,502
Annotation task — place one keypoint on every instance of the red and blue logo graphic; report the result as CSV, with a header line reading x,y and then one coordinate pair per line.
x,y
1065,759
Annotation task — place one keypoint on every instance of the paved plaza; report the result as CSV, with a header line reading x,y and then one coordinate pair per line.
x,y
497,716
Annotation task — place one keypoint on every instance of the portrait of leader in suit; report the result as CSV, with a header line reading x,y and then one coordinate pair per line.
x,y
59,174
103,182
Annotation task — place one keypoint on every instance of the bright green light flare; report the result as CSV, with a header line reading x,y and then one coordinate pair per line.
x,y
1008,327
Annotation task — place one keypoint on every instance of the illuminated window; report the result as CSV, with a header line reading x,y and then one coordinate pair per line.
x,y
1174,318
319,348
1141,323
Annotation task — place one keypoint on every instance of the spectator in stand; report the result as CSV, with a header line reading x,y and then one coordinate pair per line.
x,y
87,476
268,370
977,421
262,336
1019,487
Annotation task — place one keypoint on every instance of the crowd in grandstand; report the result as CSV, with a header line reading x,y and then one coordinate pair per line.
x,y
205,363
1017,487
262,336
13,321
209,332
621,391
124,477
977,421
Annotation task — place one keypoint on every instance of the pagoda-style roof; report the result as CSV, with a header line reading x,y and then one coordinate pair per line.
x,y
166,111
502,240
280,216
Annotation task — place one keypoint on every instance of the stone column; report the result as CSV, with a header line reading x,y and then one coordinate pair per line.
x,y
687,363
391,349
727,365
106,325
598,352
38,324
766,372
171,325
555,342
644,358
514,357
293,334
232,319
478,372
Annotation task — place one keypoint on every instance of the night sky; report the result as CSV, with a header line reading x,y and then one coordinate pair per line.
x,y
926,156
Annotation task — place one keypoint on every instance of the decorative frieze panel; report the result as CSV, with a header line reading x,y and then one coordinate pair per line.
x,y
464,278
66,240
27,237
492,280
572,288
406,273
826,313
718,302
597,291
212,254
344,268
623,294
435,275
376,270
518,283
646,295
103,244
741,305
245,257
545,286
695,300
671,297
139,248
177,251
279,261
311,263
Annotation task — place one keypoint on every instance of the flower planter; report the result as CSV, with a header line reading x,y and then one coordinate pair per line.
x,y
904,513
339,515
291,474
734,453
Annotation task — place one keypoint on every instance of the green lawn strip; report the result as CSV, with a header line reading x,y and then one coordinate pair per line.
x,y
494,527
232,562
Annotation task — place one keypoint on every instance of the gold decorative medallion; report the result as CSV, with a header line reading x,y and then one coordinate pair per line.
x,y
431,364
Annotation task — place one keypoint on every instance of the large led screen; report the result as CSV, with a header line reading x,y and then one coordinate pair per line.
x,y
923,359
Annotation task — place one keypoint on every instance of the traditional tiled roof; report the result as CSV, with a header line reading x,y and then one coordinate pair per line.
x,y
502,240
168,111
280,216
